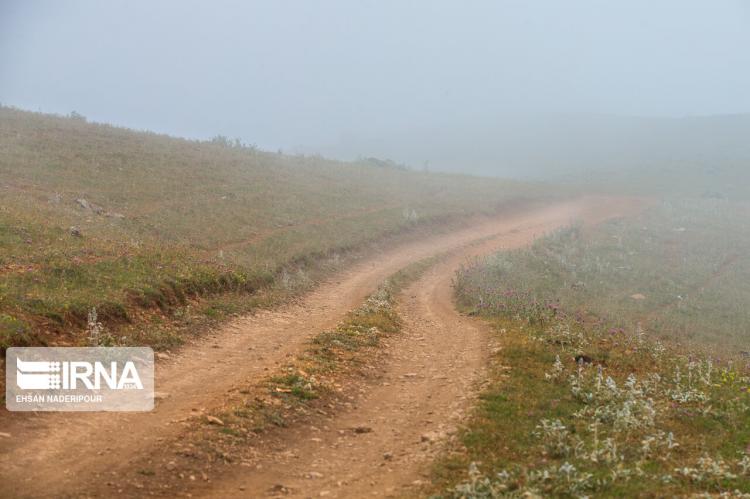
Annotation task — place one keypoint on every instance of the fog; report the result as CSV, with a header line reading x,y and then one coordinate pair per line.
x,y
508,88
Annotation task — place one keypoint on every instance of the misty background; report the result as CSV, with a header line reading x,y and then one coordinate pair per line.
x,y
511,88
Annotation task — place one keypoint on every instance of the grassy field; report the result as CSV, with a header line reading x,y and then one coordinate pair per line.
x,y
614,411
681,270
138,225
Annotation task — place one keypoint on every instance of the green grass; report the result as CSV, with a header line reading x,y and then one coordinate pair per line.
x,y
171,221
633,418
696,429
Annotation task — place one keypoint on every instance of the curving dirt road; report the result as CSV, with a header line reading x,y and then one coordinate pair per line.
x,y
424,388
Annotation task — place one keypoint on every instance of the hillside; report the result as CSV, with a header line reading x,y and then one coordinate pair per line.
x,y
137,224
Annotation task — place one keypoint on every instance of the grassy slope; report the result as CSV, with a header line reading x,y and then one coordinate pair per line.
x,y
681,270
670,422
173,219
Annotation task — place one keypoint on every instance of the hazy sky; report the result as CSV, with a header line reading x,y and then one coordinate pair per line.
x,y
287,73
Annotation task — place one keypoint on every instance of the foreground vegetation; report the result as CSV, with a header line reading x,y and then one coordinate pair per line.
x,y
139,225
582,403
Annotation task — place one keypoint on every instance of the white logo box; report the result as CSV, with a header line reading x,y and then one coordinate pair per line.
x,y
79,379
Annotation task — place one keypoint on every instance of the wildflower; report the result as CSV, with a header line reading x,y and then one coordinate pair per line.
x,y
94,328
555,436
557,369
567,469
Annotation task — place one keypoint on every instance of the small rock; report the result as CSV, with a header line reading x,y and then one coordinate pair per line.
x,y
162,355
4,434
430,436
638,296
160,395
583,359
410,375
214,420
314,475
75,231
86,205
83,203
362,429
279,489
171,465
388,456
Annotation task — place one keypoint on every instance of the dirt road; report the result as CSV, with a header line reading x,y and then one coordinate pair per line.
x,y
424,389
